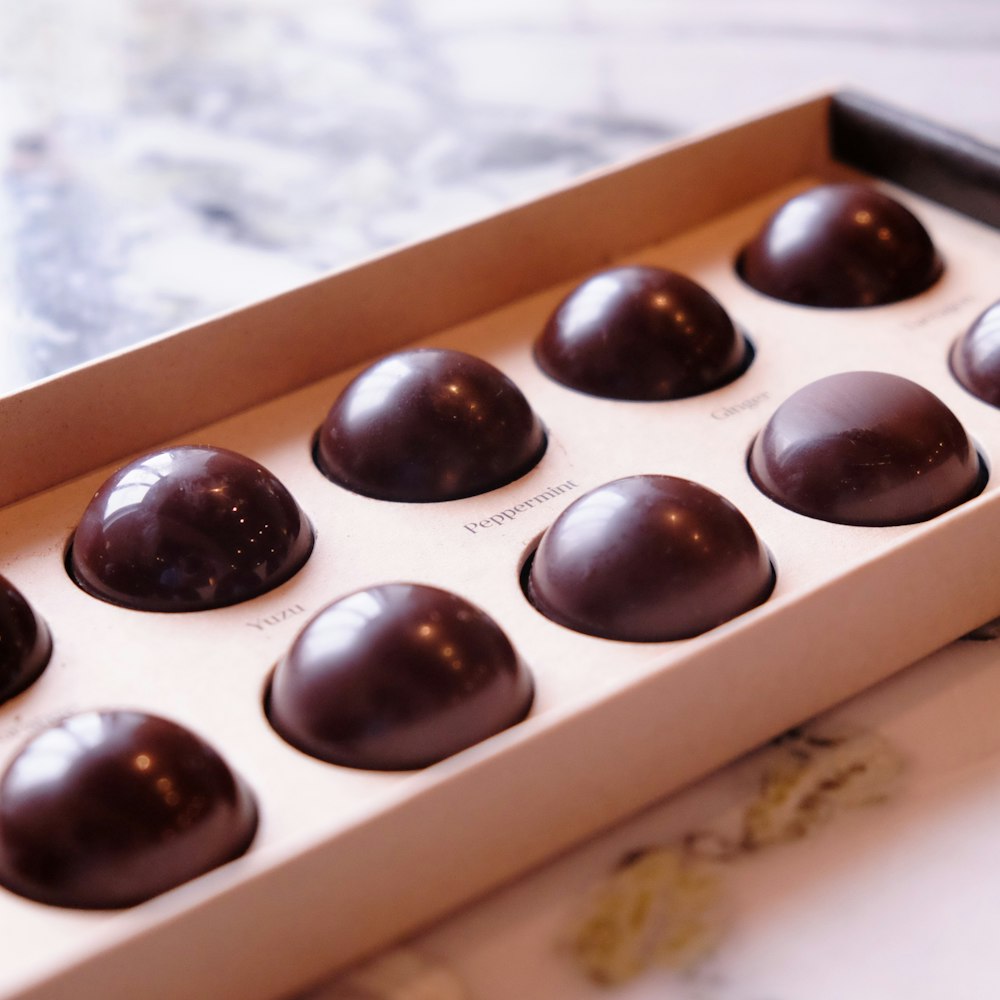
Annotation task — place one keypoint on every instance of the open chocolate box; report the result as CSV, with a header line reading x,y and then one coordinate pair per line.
x,y
346,859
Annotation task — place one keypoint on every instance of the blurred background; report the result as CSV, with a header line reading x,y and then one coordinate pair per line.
x,y
163,160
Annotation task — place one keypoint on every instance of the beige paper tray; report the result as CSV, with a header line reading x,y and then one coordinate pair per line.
x,y
345,861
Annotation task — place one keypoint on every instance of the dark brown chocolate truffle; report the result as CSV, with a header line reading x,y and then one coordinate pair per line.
x,y
25,642
641,333
841,246
975,358
396,677
186,529
865,448
649,559
107,809
428,425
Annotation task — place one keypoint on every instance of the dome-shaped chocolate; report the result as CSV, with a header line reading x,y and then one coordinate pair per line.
x,y
975,358
865,448
649,559
25,642
641,333
107,809
186,529
429,425
841,246
395,677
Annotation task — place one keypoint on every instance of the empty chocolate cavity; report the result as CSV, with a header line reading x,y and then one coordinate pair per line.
x,y
107,809
641,333
429,425
975,358
25,642
841,246
186,529
865,448
397,676
648,559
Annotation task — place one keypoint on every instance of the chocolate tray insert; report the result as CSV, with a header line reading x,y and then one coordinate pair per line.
x,y
346,860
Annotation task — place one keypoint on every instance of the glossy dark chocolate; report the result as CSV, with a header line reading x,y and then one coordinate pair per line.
x,y
641,333
841,246
975,358
649,559
107,809
25,642
429,425
186,529
865,448
396,677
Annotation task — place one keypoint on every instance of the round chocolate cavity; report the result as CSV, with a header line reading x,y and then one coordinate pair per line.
x,y
641,333
841,246
107,809
428,425
865,448
186,529
975,358
397,677
25,642
649,559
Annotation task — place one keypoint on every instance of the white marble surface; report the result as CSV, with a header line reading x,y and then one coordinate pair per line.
x,y
163,160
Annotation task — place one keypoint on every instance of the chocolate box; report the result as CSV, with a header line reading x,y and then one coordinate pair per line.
x,y
347,860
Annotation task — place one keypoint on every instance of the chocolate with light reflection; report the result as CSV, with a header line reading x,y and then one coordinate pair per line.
x,y
648,559
641,333
975,358
108,809
865,448
25,642
429,425
396,677
841,246
186,529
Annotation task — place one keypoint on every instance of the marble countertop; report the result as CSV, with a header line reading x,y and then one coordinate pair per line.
x,y
164,160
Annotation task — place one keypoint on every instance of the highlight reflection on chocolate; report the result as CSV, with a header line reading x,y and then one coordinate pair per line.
x,y
186,529
865,448
641,333
975,358
397,676
108,809
25,642
841,246
649,559
429,425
